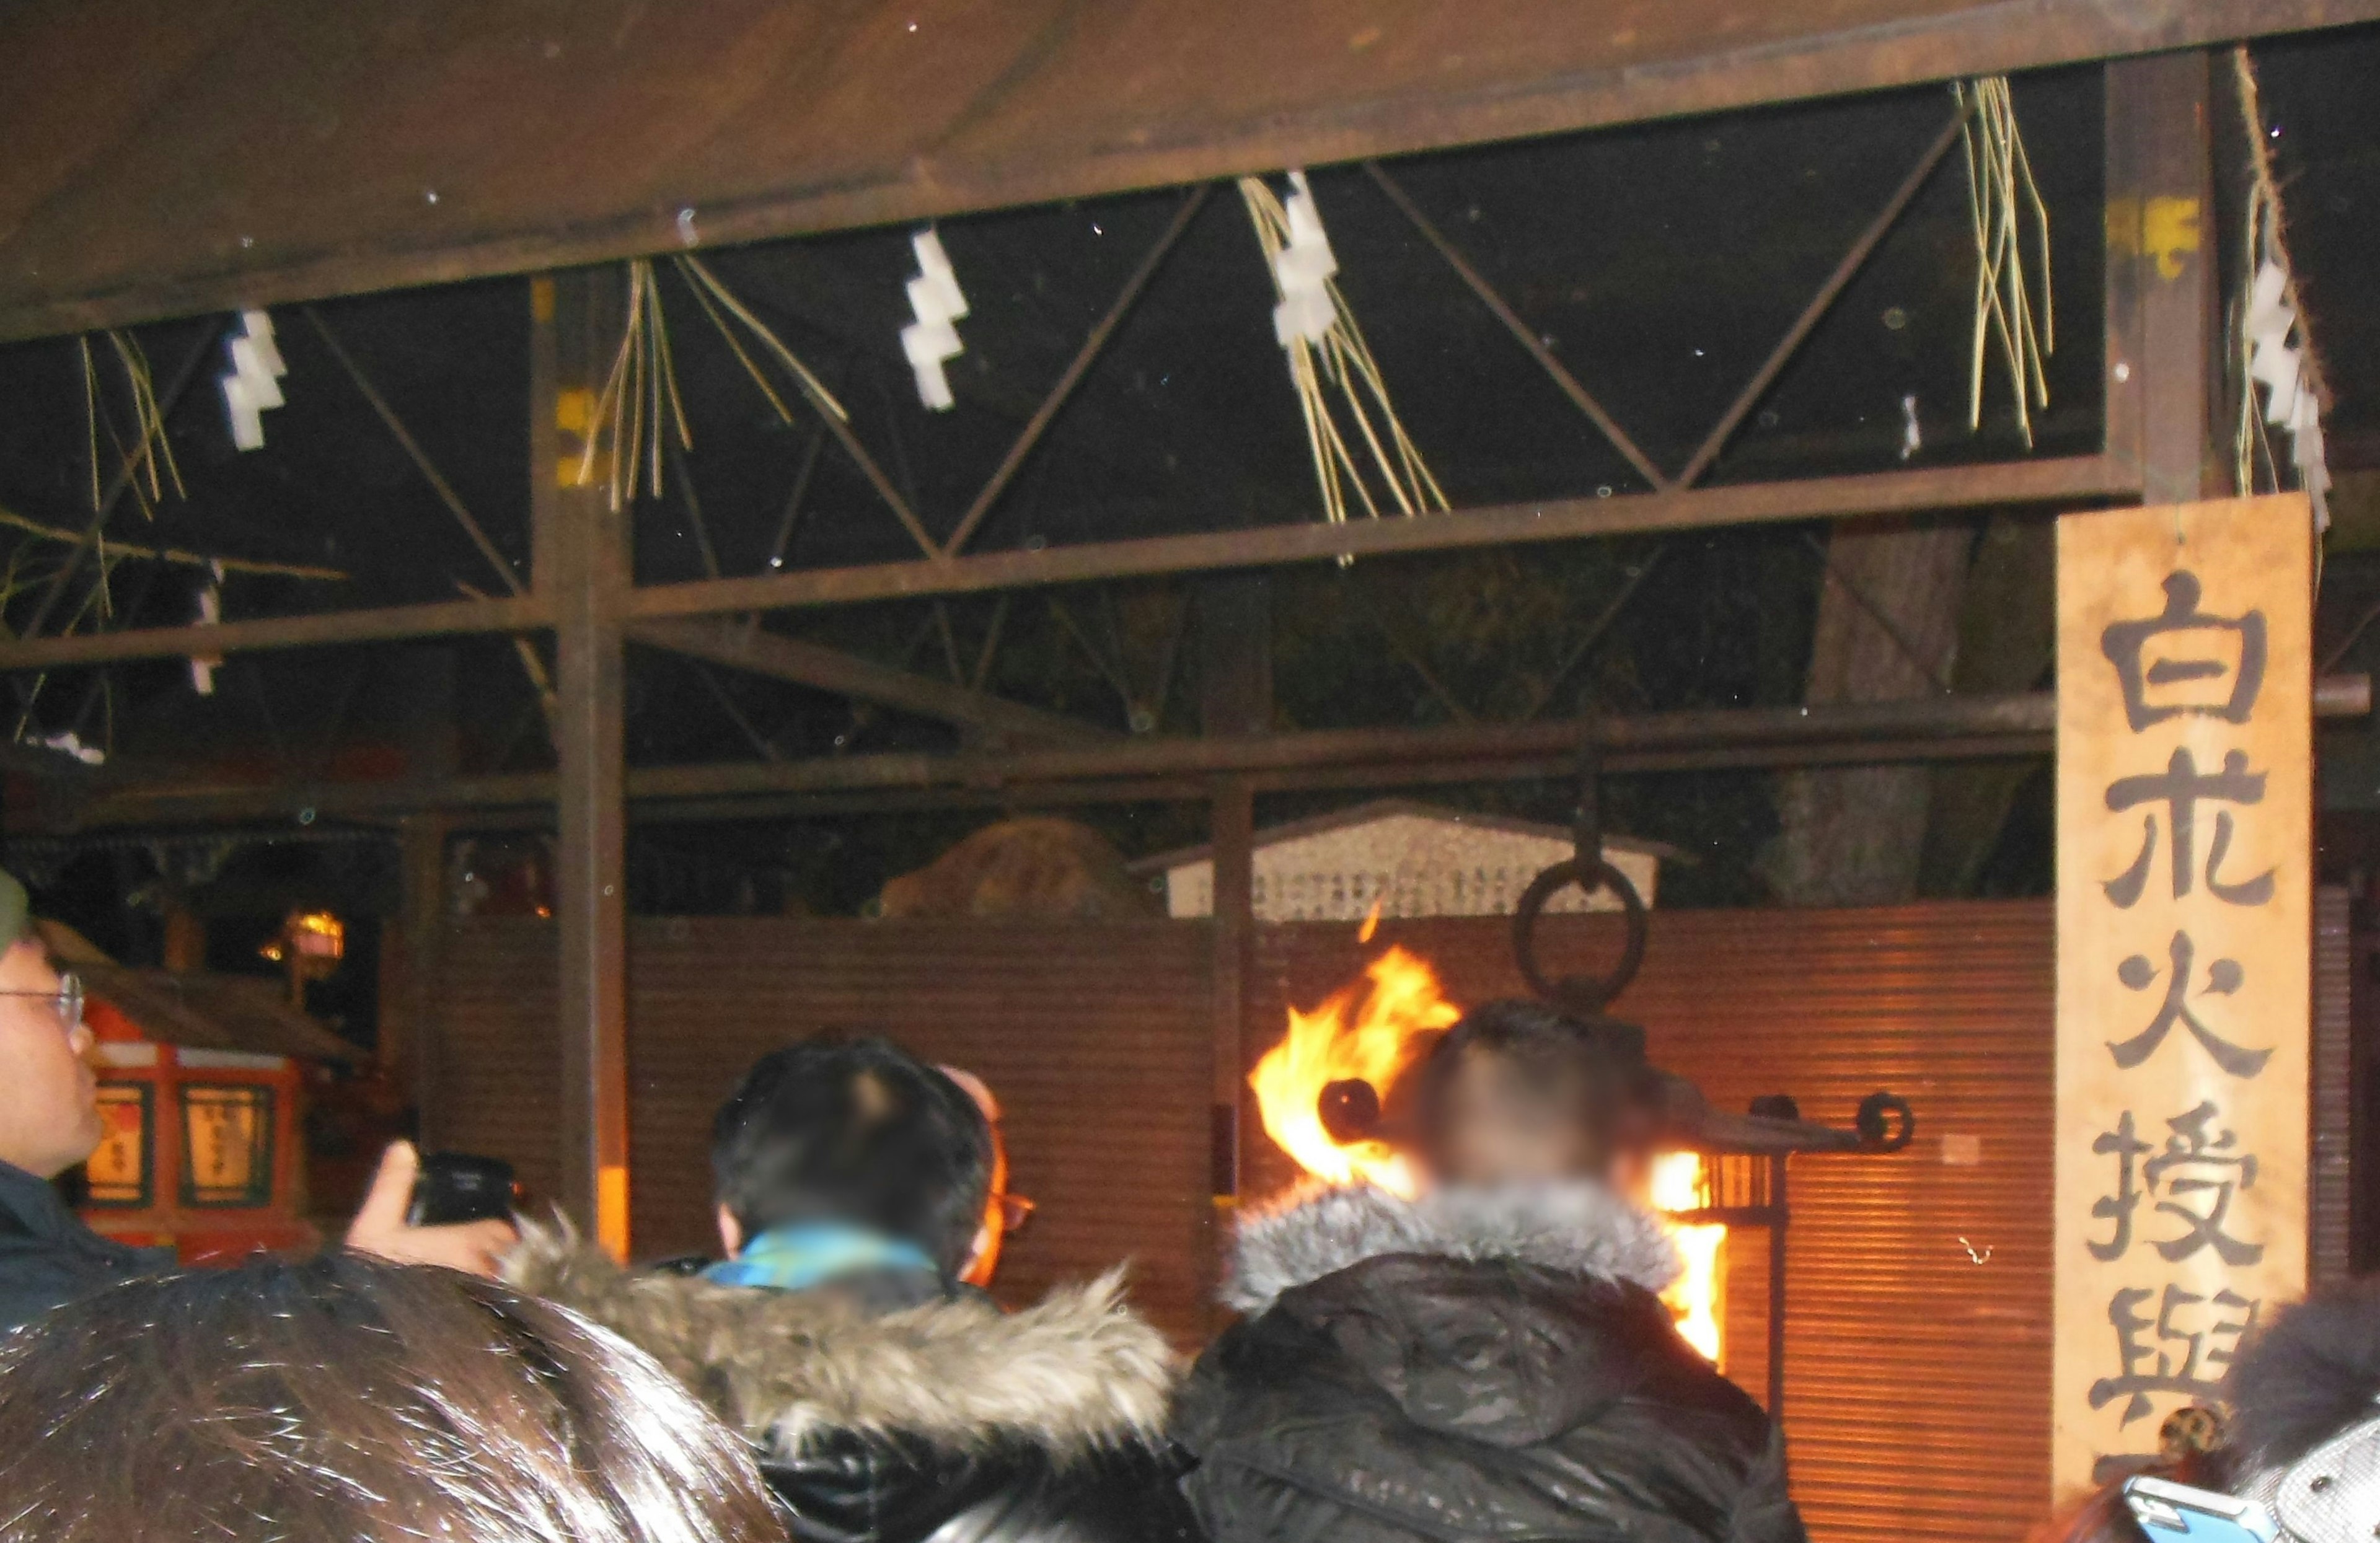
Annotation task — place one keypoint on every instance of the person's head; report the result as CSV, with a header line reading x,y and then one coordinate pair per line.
x,y
49,1097
857,1133
1517,1093
343,1398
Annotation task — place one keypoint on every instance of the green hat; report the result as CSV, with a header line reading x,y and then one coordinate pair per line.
x,y
16,910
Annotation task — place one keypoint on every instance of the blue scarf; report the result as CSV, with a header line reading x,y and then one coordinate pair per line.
x,y
805,1254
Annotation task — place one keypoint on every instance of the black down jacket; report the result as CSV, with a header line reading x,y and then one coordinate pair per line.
x,y
48,1256
944,1419
1467,1367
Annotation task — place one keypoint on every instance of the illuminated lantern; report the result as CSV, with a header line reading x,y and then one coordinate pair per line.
x,y
309,946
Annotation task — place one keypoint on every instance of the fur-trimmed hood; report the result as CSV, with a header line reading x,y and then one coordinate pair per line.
x,y
2311,1374
1580,1229
1077,1373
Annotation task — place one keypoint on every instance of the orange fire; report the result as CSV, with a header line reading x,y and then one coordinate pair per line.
x,y
1696,1298
1366,1031
1369,1031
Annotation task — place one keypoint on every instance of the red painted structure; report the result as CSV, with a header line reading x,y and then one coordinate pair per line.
x,y
203,1149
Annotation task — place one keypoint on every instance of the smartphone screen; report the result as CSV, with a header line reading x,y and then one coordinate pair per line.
x,y
2170,1512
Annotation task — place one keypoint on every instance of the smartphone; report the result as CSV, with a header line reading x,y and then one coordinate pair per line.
x,y
2168,1511
457,1186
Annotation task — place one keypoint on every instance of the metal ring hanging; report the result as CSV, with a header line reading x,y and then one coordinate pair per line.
x,y
1885,1121
1588,868
1584,994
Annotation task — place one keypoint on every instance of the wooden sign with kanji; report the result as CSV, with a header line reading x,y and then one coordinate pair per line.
x,y
2185,879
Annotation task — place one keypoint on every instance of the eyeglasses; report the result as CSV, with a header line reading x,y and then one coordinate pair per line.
x,y
1015,1210
65,1001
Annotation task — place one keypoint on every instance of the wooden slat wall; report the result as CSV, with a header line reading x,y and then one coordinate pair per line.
x,y
500,1066
1095,1039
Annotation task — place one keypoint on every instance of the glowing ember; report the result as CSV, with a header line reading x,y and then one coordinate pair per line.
x,y
1366,1031
1696,1298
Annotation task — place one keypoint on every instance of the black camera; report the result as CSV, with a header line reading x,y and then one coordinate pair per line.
x,y
457,1186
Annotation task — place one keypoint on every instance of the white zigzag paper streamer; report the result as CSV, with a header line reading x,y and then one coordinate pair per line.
x,y
931,341
254,383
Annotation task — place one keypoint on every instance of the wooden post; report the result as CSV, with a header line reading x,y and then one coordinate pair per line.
x,y
424,679
409,1045
2160,281
581,569
186,936
1235,699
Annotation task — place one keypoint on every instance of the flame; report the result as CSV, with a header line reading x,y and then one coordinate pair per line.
x,y
1677,1182
1369,1031
1371,925
1396,1003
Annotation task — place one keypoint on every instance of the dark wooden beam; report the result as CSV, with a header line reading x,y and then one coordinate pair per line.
x,y
1178,766
582,569
323,628
525,801
806,663
2070,481
479,140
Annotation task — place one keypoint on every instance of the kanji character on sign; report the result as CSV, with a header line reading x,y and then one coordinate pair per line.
x,y
2197,1161
2195,1372
2186,660
2126,1147
2224,976
2180,788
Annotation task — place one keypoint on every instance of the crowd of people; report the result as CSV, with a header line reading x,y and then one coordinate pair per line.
x,y
1489,1359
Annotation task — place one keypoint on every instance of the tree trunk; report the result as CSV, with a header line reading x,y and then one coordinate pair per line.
x,y
1888,630
2008,635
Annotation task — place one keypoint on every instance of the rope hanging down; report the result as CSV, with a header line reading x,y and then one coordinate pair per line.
x,y
2262,325
2002,202
1328,361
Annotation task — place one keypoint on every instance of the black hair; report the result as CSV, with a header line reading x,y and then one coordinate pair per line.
x,y
1599,1066
339,1397
857,1131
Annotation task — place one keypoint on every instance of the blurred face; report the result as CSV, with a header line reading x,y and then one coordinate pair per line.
x,y
49,1098
1497,1126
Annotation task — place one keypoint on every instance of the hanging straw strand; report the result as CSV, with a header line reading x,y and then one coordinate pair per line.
x,y
90,416
2001,194
640,402
1343,396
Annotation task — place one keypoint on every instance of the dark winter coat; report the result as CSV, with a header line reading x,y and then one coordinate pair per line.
x,y
48,1256
948,1421
1469,1368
